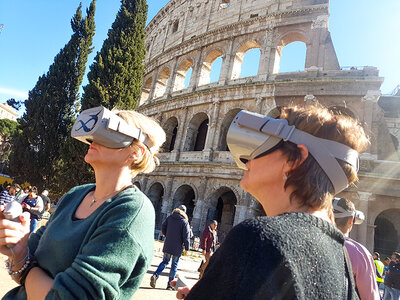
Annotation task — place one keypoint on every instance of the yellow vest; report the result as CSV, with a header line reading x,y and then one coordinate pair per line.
x,y
380,268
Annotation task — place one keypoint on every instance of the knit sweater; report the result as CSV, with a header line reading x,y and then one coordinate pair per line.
x,y
291,256
103,256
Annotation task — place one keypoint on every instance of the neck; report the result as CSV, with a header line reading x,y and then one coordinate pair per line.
x,y
111,179
277,202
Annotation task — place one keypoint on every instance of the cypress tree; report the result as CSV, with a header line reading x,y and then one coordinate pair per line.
x,y
51,106
115,77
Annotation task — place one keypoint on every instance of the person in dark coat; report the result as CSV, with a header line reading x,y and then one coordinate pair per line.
x,y
208,244
177,237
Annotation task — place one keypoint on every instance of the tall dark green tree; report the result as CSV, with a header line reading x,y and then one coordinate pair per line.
x,y
51,106
115,77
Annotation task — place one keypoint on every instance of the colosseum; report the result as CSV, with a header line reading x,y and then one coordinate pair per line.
x,y
186,39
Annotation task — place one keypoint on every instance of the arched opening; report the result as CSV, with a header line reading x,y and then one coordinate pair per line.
x,y
223,210
181,81
247,60
137,184
146,90
197,133
175,26
171,129
340,110
162,83
155,194
222,145
185,195
387,232
290,55
211,67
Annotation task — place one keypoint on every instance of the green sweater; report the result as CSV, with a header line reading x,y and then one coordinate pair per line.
x,y
104,256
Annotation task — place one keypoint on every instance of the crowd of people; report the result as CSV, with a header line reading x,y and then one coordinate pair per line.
x,y
98,244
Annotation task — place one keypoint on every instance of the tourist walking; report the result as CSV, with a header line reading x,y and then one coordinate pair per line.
x,y
380,272
208,243
177,237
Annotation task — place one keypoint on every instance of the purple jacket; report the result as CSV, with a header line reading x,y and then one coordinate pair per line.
x,y
177,233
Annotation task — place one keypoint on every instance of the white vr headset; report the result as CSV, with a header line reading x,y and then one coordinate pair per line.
x,y
253,135
340,212
104,127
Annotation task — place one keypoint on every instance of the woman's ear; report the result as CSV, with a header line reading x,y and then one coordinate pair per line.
x,y
291,165
137,154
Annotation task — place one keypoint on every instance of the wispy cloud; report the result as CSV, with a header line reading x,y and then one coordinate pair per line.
x,y
13,93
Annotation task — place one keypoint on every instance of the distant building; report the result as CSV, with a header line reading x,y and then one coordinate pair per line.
x,y
8,112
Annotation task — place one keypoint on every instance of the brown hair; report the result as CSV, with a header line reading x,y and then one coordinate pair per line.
x,y
312,187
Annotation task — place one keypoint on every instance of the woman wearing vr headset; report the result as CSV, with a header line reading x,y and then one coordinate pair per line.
x,y
295,252
98,244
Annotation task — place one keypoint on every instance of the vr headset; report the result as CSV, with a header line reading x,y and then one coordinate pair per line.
x,y
340,212
104,127
252,135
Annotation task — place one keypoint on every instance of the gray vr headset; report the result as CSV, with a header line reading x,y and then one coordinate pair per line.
x,y
252,135
104,127
340,212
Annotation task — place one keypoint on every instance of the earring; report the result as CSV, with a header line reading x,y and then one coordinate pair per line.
x,y
285,176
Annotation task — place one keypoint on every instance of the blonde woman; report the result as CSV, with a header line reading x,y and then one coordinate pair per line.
x,y
99,242
295,252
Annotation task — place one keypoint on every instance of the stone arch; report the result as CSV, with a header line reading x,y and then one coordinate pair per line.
x,y
284,40
155,194
387,232
146,90
185,194
207,65
175,26
197,132
222,145
162,82
239,56
222,208
171,129
341,110
181,73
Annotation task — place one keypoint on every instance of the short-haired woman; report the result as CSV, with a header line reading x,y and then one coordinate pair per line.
x,y
295,252
99,242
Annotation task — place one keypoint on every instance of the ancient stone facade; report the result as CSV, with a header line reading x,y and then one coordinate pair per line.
x,y
184,40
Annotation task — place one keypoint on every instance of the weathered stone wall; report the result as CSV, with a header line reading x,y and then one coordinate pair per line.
x,y
196,168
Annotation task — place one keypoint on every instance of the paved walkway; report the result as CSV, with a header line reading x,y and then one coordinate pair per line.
x,y
187,267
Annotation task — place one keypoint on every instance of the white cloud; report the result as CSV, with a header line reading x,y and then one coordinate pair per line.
x,y
14,93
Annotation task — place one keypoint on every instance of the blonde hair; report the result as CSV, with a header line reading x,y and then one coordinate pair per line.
x,y
156,137
312,187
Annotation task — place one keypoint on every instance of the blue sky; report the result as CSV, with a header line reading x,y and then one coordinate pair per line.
x,y
364,33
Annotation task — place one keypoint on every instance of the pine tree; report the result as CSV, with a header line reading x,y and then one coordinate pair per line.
x,y
115,78
51,106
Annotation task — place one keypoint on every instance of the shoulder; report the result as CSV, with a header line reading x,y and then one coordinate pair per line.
x,y
353,246
130,209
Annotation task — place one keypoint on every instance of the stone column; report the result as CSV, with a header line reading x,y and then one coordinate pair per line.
x,y
227,64
369,102
171,79
366,229
198,211
181,131
240,214
167,198
211,133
